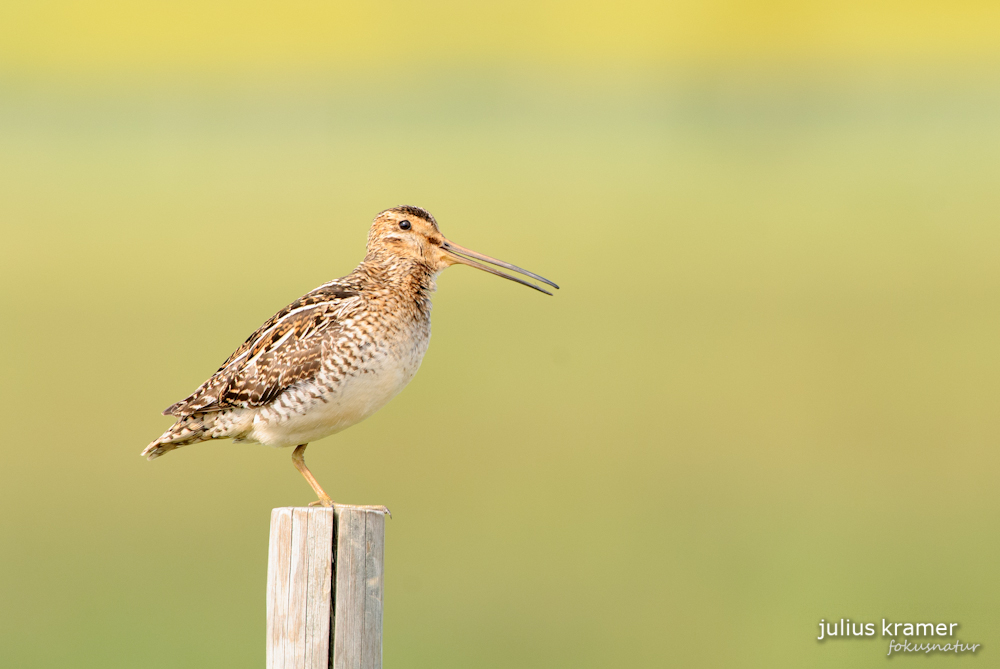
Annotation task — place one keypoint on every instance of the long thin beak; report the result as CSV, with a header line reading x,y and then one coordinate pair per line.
x,y
465,256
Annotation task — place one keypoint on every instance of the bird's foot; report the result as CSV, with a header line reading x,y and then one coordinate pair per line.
x,y
367,507
324,499
327,502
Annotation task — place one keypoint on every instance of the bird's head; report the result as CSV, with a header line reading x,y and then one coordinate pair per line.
x,y
411,233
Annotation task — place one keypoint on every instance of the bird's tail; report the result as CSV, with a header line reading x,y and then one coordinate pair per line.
x,y
187,430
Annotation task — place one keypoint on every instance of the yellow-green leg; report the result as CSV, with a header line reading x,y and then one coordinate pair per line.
x,y
299,460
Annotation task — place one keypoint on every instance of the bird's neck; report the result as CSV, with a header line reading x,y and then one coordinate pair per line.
x,y
409,278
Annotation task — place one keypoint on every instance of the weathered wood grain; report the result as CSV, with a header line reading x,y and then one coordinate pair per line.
x,y
371,640
324,588
319,589
357,633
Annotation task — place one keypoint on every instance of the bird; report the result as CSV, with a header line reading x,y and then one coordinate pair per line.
x,y
337,354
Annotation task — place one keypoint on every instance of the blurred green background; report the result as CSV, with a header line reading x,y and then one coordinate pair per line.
x,y
767,393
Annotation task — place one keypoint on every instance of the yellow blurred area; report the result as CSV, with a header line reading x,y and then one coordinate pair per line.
x,y
92,37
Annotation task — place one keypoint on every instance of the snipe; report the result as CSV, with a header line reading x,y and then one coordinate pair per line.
x,y
337,354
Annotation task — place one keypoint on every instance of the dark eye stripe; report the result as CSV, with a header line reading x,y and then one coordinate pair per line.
x,y
404,225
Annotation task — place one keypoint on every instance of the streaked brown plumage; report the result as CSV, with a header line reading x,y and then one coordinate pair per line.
x,y
337,354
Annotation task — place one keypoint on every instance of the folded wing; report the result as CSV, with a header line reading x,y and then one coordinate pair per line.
x,y
283,351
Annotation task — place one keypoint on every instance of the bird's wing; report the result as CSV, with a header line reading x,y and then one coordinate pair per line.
x,y
283,351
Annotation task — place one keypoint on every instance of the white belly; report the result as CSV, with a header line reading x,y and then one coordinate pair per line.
x,y
313,410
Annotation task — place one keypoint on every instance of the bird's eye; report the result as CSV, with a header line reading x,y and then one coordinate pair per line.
x,y
404,225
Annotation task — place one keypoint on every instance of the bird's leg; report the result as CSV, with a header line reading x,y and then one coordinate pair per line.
x,y
299,460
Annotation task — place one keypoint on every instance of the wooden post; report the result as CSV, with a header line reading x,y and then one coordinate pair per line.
x,y
324,588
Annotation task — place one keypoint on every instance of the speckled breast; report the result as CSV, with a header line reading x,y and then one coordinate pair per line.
x,y
361,371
